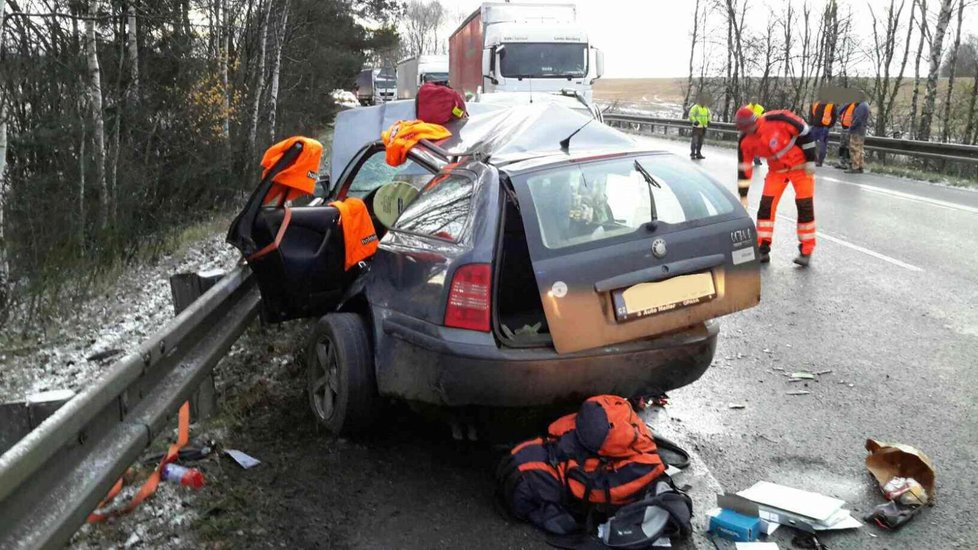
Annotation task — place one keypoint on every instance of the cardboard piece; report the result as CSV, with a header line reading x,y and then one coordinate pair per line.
x,y
243,459
803,510
889,460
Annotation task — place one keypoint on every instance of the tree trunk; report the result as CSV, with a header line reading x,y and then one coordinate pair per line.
x,y
4,268
222,60
946,117
276,69
264,21
971,111
133,91
692,53
930,90
98,120
914,100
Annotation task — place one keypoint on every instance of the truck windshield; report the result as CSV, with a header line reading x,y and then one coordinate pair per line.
x,y
434,77
543,60
384,82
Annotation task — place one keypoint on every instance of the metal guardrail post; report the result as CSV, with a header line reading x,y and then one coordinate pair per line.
x,y
55,476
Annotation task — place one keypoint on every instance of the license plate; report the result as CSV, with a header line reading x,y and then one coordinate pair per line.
x,y
646,299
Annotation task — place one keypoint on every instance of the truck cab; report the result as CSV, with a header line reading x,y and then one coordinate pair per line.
x,y
523,47
539,58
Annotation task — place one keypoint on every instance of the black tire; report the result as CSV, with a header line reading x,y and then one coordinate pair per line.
x,y
340,378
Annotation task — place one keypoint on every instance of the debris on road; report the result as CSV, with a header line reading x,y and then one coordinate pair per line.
x,y
243,459
798,392
906,477
756,546
731,525
821,372
797,508
802,375
737,406
181,475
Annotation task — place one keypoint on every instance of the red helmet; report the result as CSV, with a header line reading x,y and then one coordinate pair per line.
x,y
745,119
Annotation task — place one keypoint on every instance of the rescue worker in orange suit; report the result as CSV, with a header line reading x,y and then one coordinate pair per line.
x,y
785,141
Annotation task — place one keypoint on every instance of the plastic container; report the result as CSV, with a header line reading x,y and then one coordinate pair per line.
x,y
188,477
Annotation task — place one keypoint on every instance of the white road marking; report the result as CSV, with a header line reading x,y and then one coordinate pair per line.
x,y
858,248
905,196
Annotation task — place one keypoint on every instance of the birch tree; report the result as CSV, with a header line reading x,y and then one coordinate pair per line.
x,y
945,118
4,267
98,120
276,70
263,22
131,45
936,51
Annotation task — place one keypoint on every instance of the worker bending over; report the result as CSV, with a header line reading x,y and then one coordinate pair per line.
x,y
785,141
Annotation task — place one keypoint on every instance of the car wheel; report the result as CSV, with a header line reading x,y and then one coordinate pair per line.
x,y
340,376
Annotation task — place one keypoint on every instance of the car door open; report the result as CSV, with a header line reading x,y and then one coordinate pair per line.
x,y
633,247
296,253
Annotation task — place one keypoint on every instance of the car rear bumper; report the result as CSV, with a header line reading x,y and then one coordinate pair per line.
x,y
454,374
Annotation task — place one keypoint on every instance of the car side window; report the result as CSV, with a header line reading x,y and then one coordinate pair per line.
x,y
441,211
375,172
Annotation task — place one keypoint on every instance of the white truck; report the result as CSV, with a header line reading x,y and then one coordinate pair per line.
x,y
415,71
376,86
523,47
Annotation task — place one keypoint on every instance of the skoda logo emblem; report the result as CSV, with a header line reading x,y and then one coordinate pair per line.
x,y
659,248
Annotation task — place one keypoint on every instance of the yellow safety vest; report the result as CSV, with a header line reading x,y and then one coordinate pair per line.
x,y
699,114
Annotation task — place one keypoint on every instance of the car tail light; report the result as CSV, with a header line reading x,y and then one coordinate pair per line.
x,y
469,299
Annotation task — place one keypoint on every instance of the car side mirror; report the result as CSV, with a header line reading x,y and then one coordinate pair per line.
x,y
598,63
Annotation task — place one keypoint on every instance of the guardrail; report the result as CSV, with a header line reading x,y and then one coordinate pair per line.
x,y
950,152
55,476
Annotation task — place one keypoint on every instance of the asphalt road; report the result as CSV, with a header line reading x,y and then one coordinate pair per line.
x,y
890,307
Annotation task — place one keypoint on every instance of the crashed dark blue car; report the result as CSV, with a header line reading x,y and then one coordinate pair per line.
x,y
546,259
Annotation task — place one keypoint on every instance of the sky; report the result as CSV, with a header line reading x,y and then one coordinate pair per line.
x,y
651,38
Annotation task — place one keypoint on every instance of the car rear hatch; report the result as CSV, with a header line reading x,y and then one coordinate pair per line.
x,y
634,246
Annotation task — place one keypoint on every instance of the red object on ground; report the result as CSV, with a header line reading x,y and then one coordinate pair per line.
x,y
188,477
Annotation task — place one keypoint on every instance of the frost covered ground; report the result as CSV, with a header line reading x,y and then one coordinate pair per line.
x,y
65,352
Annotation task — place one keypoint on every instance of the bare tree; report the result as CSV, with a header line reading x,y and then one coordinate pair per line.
x,y
885,46
277,69
421,22
972,104
936,51
98,120
946,116
924,33
692,54
4,266
263,22
133,91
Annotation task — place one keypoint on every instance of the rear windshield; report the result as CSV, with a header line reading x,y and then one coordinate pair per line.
x,y
589,202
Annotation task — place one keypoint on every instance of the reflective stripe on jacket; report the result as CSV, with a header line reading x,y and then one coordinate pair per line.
x,y
782,138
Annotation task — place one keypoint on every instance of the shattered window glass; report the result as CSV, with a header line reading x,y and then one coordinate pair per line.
x,y
441,211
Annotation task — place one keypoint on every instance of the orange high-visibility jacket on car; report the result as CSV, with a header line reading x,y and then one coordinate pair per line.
x,y
359,236
405,134
297,179
782,138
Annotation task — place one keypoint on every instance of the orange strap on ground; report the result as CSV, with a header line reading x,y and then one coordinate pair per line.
x,y
149,486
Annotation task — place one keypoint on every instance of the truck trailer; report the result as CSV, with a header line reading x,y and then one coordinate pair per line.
x,y
376,86
415,71
523,47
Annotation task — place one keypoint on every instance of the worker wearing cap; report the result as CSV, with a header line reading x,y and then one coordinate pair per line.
x,y
821,119
785,141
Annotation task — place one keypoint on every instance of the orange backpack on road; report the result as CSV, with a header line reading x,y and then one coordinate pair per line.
x,y
596,460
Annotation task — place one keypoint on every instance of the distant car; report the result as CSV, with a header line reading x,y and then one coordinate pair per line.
x,y
547,258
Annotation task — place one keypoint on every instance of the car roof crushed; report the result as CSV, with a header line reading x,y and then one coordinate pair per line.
x,y
502,134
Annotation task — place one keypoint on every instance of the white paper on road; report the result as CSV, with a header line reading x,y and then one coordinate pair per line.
x,y
757,546
804,503
244,460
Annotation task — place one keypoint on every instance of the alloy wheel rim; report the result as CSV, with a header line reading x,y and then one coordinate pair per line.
x,y
324,383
